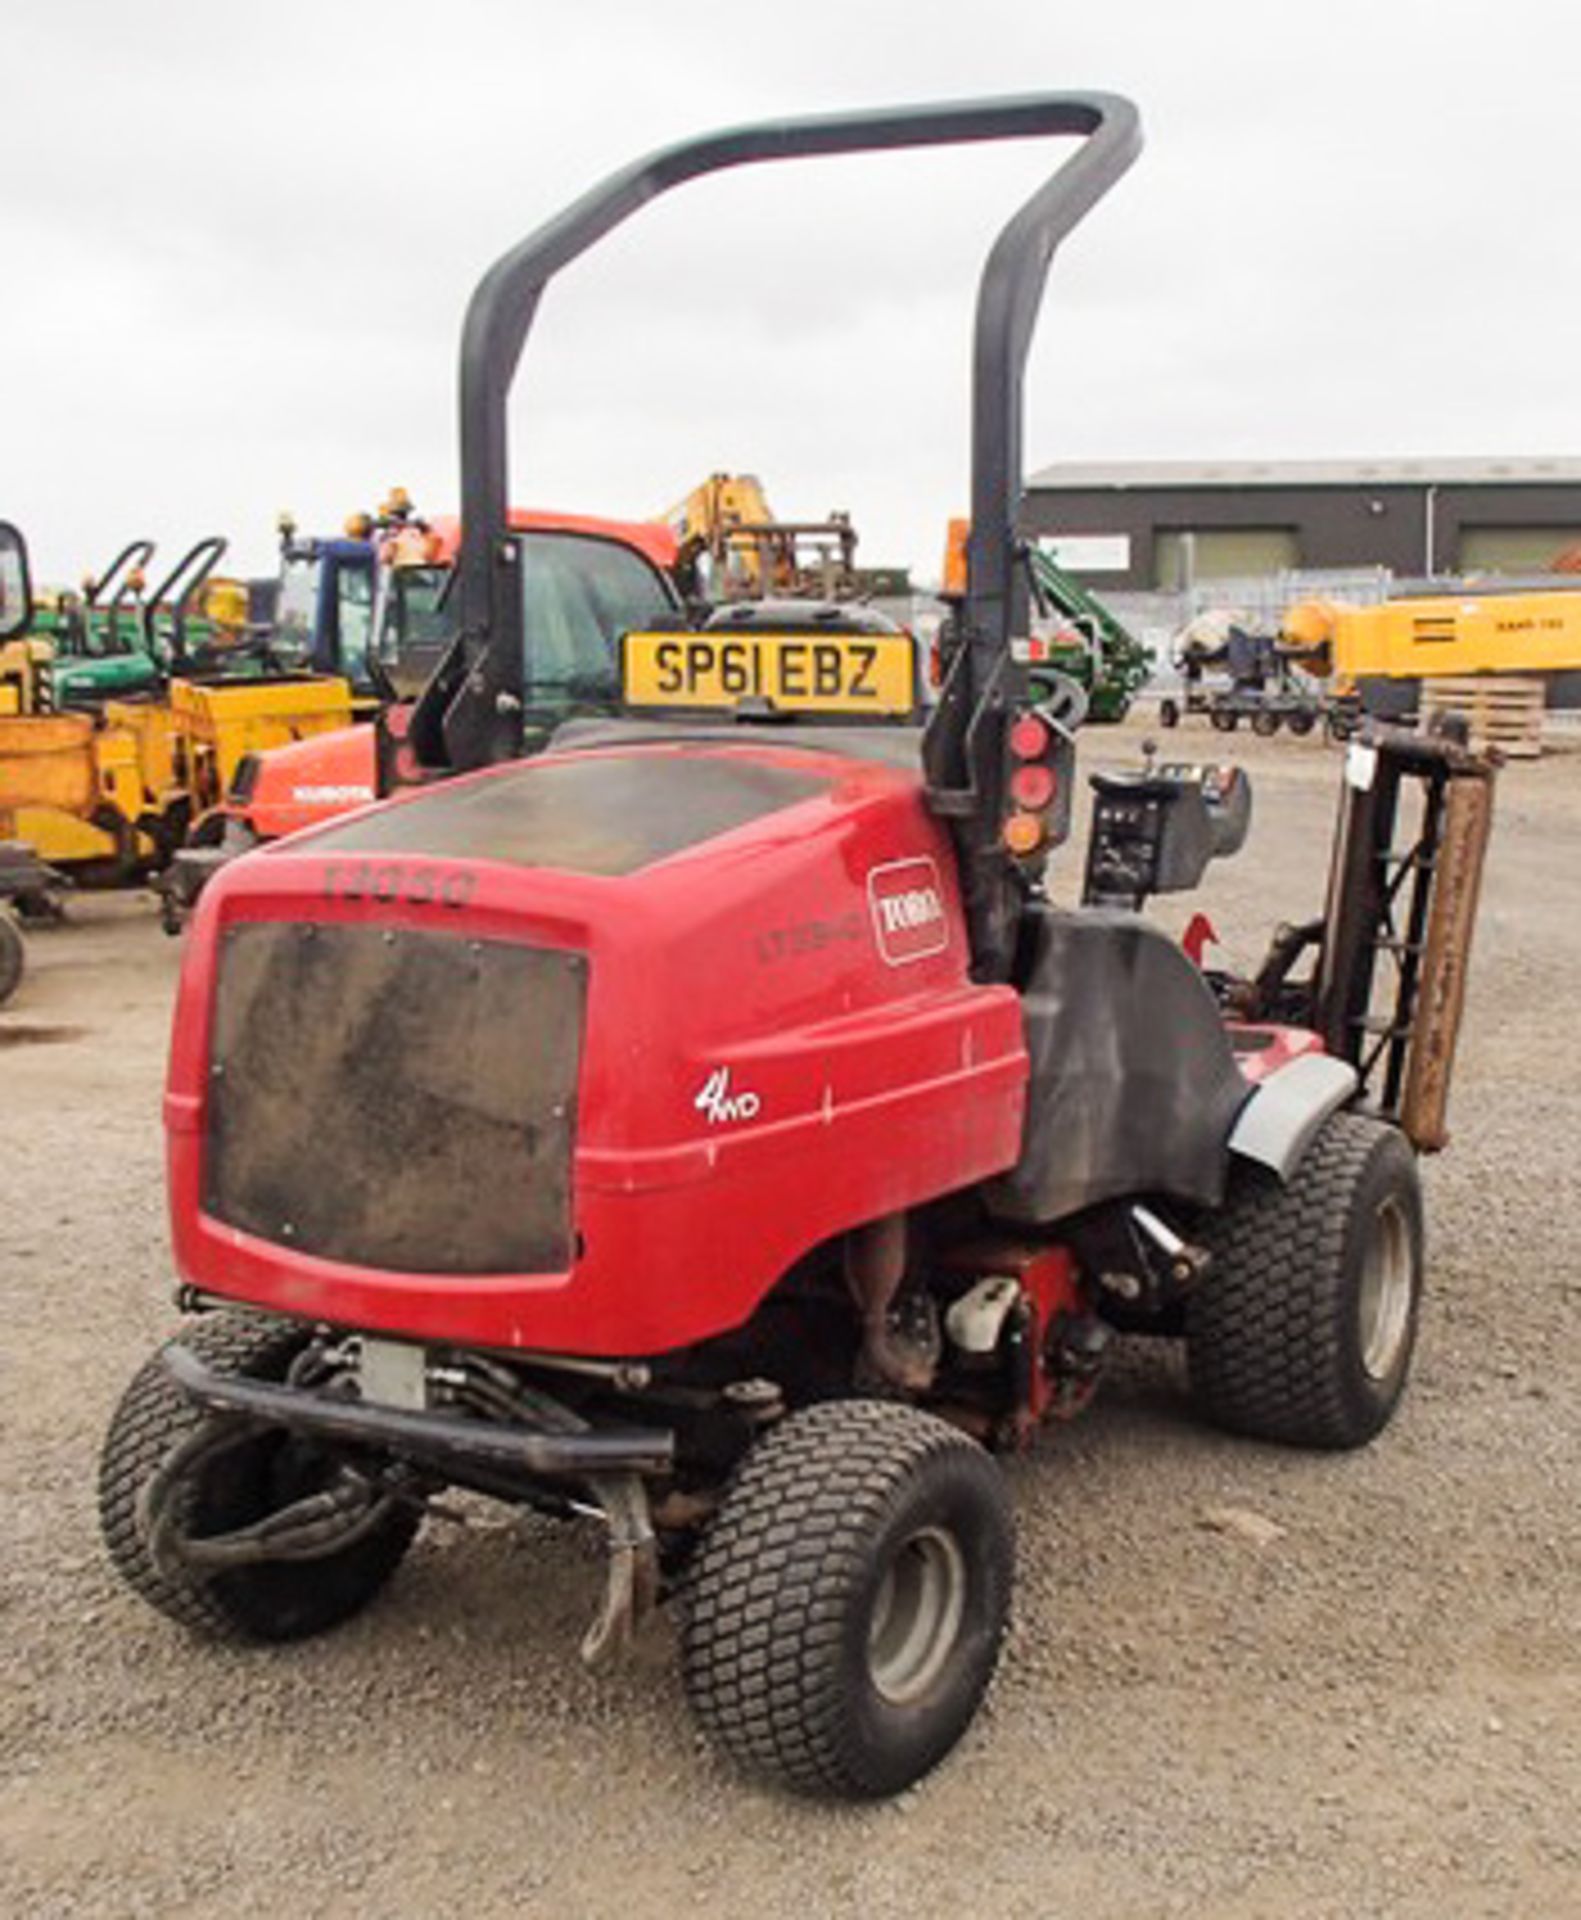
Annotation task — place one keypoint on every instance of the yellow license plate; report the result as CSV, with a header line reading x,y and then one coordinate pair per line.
x,y
871,674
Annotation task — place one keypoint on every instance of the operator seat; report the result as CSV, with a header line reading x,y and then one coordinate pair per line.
x,y
1134,1086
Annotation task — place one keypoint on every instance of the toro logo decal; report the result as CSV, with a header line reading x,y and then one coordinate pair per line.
x,y
907,904
718,1105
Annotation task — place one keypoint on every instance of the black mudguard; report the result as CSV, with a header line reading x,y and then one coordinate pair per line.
x,y
1134,1087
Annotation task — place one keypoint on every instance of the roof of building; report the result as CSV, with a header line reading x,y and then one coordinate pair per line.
x,y
1071,474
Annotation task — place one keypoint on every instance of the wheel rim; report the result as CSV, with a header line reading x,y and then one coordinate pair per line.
x,y
1387,1286
917,1615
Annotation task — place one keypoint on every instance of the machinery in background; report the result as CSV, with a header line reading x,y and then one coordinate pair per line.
x,y
110,797
730,546
1088,642
116,640
587,580
1072,633
29,887
29,892
25,686
1376,657
324,603
192,623
1334,663
97,640
200,626
108,794
111,791
1258,682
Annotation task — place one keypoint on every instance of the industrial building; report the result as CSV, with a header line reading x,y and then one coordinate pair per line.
x,y
1165,525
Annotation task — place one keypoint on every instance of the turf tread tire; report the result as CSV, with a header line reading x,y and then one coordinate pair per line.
x,y
154,1416
767,1634
1268,1340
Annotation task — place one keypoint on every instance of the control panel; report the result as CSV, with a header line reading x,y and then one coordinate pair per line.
x,y
1156,831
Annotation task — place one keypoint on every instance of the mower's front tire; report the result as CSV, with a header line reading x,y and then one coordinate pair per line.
x,y
1303,1328
844,1613
265,1601
1168,712
13,956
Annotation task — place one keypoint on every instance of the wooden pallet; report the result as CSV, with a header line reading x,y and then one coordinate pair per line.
x,y
1502,710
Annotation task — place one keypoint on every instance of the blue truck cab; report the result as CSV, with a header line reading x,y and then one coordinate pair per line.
x,y
323,615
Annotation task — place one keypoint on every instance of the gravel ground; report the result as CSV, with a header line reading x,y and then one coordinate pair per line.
x,y
1377,1711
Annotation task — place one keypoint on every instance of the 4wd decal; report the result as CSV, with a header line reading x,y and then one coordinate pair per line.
x,y
907,904
718,1105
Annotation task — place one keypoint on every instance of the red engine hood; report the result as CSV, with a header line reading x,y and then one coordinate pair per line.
x,y
781,1037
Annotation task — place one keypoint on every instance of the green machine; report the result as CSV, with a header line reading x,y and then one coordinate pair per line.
x,y
1099,653
97,635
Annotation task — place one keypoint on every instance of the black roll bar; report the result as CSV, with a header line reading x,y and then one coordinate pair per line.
x,y
135,554
189,574
472,711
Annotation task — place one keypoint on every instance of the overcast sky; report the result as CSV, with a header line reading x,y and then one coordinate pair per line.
x,y
240,238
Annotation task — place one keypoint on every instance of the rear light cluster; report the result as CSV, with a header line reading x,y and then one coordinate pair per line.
x,y
1037,786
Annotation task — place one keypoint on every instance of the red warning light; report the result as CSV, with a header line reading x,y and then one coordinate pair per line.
x,y
1032,786
1029,737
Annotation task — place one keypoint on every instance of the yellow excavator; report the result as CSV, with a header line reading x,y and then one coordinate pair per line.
x,y
732,547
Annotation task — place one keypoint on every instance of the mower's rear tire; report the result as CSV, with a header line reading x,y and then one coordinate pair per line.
x,y
267,1601
1301,722
13,956
1303,1328
844,1613
1223,719
1169,713
1265,723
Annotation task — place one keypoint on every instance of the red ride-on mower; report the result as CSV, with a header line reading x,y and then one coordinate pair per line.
x,y
710,1124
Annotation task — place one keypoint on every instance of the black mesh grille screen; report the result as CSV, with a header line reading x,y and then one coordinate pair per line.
x,y
396,1099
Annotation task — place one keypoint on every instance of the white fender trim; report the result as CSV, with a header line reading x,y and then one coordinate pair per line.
x,y
1277,1124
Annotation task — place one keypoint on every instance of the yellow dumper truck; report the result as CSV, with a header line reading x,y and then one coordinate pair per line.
x,y
111,796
